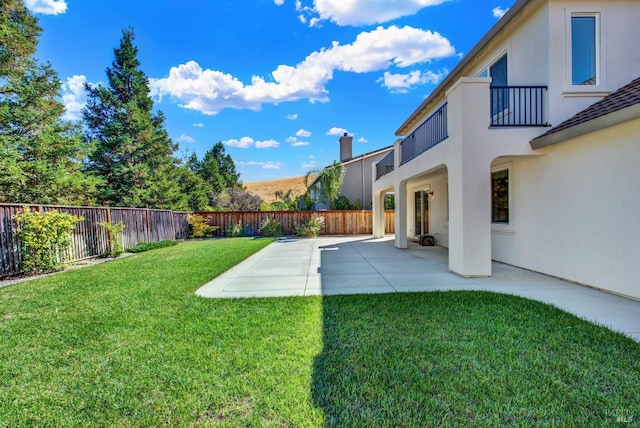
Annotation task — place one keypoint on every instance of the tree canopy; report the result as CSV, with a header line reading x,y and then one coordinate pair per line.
x,y
133,152
41,155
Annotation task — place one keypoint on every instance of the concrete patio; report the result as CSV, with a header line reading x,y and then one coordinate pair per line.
x,y
359,264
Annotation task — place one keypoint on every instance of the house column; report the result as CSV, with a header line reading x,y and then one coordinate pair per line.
x,y
377,206
469,178
401,214
378,215
470,220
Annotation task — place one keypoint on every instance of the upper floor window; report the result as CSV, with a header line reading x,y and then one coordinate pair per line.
x,y
584,50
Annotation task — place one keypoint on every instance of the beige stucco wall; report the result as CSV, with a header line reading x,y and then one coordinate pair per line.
x,y
575,212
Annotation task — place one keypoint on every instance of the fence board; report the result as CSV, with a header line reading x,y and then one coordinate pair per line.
x,y
342,222
89,239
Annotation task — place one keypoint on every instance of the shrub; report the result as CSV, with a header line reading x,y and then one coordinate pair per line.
x,y
45,239
115,237
235,230
271,228
343,203
198,227
146,246
310,228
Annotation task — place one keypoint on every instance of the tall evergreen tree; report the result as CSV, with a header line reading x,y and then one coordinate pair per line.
x,y
218,170
41,155
133,151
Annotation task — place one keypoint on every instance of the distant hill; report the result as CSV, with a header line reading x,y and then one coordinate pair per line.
x,y
267,189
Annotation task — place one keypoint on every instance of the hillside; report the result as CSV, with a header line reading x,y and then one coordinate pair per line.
x,y
267,189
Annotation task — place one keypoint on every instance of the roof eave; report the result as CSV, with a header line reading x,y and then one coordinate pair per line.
x,y
602,122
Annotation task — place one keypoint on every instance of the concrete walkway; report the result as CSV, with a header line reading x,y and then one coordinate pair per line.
x,y
359,264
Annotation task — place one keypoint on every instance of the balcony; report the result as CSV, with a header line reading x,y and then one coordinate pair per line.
x,y
385,166
518,106
431,132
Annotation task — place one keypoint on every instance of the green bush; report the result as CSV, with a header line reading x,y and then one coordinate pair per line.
x,y
146,246
45,239
235,231
342,203
115,237
311,228
271,228
198,227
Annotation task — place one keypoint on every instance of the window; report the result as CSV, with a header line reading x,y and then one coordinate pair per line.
x,y
500,196
499,82
583,50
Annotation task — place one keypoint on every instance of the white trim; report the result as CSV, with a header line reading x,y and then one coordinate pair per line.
x,y
571,90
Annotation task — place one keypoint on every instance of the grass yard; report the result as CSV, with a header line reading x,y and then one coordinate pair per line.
x,y
127,343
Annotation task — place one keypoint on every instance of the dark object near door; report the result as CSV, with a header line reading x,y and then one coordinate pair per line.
x,y
427,240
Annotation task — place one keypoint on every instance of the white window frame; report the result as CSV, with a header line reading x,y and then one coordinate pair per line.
x,y
599,87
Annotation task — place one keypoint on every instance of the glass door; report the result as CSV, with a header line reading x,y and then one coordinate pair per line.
x,y
421,213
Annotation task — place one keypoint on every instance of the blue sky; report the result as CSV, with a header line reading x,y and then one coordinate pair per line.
x,y
277,81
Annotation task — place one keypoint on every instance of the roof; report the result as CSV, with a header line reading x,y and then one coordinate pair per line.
x,y
359,157
477,49
366,155
613,109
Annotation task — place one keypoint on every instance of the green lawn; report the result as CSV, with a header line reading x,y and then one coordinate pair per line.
x,y
127,343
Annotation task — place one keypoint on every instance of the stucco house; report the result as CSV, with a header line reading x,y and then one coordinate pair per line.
x,y
528,152
357,184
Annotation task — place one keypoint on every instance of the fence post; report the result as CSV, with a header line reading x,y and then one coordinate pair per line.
x,y
109,239
173,224
148,231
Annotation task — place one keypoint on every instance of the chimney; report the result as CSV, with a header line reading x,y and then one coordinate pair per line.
x,y
346,150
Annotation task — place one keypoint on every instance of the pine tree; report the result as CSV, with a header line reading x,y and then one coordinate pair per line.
x,y
218,170
41,155
133,151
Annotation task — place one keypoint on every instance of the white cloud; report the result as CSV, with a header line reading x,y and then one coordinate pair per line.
x,y
401,83
303,133
199,125
210,91
362,140
74,97
264,165
499,12
360,12
278,2
338,132
242,143
295,143
292,116
246,142
272,165
47,7
186,139
267,144
309,165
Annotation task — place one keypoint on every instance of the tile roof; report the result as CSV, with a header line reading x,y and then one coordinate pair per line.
x,y
624,97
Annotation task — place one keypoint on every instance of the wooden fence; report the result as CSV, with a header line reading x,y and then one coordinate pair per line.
x,y
342,222
89,239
